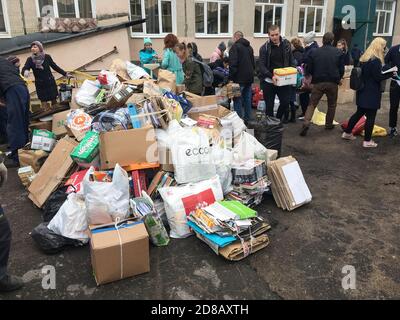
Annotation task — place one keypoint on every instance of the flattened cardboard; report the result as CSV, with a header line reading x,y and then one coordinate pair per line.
x,y
127,147
59,121
202,105
54,170
105,247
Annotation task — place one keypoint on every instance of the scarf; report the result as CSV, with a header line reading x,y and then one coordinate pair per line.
x,y
38,58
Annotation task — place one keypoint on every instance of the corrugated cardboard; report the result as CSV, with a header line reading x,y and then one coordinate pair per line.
x,y
166,160
41,125
59,120
54,170
202,105
126,147
106,249
33,158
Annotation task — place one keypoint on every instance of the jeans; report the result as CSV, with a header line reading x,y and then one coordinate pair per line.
x,y
369,123
5,243
394,104
284,94
243,102
319,89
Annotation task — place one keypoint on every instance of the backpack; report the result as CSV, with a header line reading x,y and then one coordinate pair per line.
x,y
356,79
208,75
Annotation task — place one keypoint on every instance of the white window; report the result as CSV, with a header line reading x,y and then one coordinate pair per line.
x,y
267,13
213,18
312,16
159,14
66,8
4,23
384,17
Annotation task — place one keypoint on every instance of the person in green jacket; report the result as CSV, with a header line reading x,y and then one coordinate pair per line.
x,y
193,76
147,55
170,60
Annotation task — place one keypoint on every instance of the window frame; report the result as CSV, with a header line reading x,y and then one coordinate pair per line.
x,y
205,34
392,16
7,33
152,35
284,7
323,21
76,4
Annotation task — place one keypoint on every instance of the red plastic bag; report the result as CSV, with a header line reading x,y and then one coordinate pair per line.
x,y
359,127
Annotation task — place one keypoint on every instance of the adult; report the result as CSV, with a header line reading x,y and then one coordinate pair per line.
x,y
356,54
41,64
369,97
193,75
310,45
147,55
326,66
170,60
230,44
218,52
241,71
342,45
274,54
194,51
392,59
15,94
7,282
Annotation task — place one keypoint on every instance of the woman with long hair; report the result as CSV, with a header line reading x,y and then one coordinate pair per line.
x,y
369,97
193,76
170,60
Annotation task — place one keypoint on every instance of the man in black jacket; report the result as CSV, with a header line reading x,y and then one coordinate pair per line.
x,y
15,94
274,54
392,59
241,71
326,66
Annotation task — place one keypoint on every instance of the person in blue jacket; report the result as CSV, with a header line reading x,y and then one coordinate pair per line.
x,y
147,55
369,97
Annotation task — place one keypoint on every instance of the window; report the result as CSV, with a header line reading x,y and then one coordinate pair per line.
x,y
66,8
159,14
384,17
311,16
213,17
4,26
267,13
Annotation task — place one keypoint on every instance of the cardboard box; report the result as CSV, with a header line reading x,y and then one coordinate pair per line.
x,y
78,123
119,98
43,140
202,105
166,160
88,148
119,254
286,76
26,174
53,172
59,121
41,125
33,158
127,147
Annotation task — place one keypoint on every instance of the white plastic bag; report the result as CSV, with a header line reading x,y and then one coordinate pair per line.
x,y
248,148
86,95
107,201
179,202
192,155
70,220
135,72
112,78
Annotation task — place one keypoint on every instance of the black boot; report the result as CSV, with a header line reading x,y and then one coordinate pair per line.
x,y
292,114
10,283
285,117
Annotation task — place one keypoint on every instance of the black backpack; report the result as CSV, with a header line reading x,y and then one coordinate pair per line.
x,y
356,79
208,75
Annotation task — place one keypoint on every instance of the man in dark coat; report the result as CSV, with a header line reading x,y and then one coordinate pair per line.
x,y
15,94
276,53
241,71
392,59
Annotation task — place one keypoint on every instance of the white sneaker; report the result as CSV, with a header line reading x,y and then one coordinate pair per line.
x,y
348,136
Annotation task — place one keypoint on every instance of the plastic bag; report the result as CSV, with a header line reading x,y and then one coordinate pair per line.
x,y
70,221
54,203
223,159
269,132
248,148
191,155
87,93
358,128
112,79
109,120
50,242
179,202
106,201
135,72
377,132
319,118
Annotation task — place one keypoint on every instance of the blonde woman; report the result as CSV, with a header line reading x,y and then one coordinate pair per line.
x,y
369,97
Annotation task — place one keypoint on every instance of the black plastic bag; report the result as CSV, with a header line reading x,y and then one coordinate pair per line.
x,y
54,203
268,131
50,242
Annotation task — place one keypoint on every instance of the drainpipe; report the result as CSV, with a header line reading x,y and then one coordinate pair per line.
x,y
21,7
367,31
186,24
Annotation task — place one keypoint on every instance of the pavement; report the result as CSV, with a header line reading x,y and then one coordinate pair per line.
x,y
353,220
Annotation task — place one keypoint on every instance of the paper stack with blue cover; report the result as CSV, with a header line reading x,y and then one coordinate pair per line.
x,y
231,229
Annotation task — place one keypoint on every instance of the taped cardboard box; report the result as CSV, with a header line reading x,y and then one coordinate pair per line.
x,y
53,172
127,147
119,254
202,105
33,158
59,121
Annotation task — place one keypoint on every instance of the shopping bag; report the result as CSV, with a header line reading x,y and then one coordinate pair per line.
x,y
319,118
377,132
167,80
248,148
359,127
107,201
